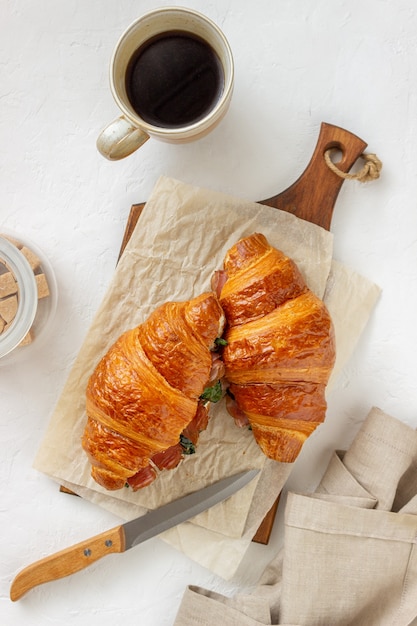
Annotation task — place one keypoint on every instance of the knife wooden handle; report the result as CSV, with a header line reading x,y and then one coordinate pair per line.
x,y
68,561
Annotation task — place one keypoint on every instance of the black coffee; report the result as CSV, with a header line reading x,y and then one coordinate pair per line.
x,y
174,80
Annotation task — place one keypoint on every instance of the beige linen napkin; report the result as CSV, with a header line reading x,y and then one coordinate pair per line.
x,y
180,239
349,555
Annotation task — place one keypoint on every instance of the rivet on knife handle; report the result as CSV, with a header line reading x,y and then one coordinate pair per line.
x,y
68,561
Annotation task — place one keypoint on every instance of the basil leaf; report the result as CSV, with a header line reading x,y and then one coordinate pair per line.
x,y
220,341
213,394
187,445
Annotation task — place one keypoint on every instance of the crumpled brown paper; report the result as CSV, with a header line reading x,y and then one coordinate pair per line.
x,y
181,238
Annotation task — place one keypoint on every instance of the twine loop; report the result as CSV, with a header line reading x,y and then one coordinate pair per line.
x,y
370,171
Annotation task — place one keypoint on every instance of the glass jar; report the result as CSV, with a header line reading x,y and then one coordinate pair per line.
x,y
28,294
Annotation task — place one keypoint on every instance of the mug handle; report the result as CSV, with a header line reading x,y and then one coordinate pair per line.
x,y
120,138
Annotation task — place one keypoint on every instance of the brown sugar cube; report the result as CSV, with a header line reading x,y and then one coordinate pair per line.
x,y
27,339
8,285
41,283
12,240
34,262
8,308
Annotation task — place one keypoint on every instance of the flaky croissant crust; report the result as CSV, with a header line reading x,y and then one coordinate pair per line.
x,y
280,347
145,390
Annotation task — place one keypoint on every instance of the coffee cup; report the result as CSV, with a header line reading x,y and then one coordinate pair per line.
x,y
171,75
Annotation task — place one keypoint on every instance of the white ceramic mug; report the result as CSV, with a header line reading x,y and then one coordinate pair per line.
x,y
130,131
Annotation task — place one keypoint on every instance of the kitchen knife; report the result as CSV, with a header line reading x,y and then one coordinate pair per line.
x,y
127,535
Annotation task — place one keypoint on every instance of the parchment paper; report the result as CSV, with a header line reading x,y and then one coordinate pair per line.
x,y
181,238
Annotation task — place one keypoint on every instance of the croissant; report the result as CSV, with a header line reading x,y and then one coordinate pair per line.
x,y
280,347
143,400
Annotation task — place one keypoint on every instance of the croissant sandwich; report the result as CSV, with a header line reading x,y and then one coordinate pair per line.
x,y
280,347
146,400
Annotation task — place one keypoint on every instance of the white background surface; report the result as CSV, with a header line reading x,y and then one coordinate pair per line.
x,y
352,64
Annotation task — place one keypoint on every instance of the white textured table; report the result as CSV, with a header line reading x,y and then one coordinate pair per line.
x,y
352,64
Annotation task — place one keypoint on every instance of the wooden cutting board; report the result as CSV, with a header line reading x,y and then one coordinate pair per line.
x,y
312,197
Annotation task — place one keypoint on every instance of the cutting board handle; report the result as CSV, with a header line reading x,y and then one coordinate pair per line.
x,y
313,196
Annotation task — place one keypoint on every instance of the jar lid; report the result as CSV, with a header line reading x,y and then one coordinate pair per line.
x,y
13,261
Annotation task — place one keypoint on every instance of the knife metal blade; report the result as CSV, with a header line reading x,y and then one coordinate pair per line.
x,y
126,536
